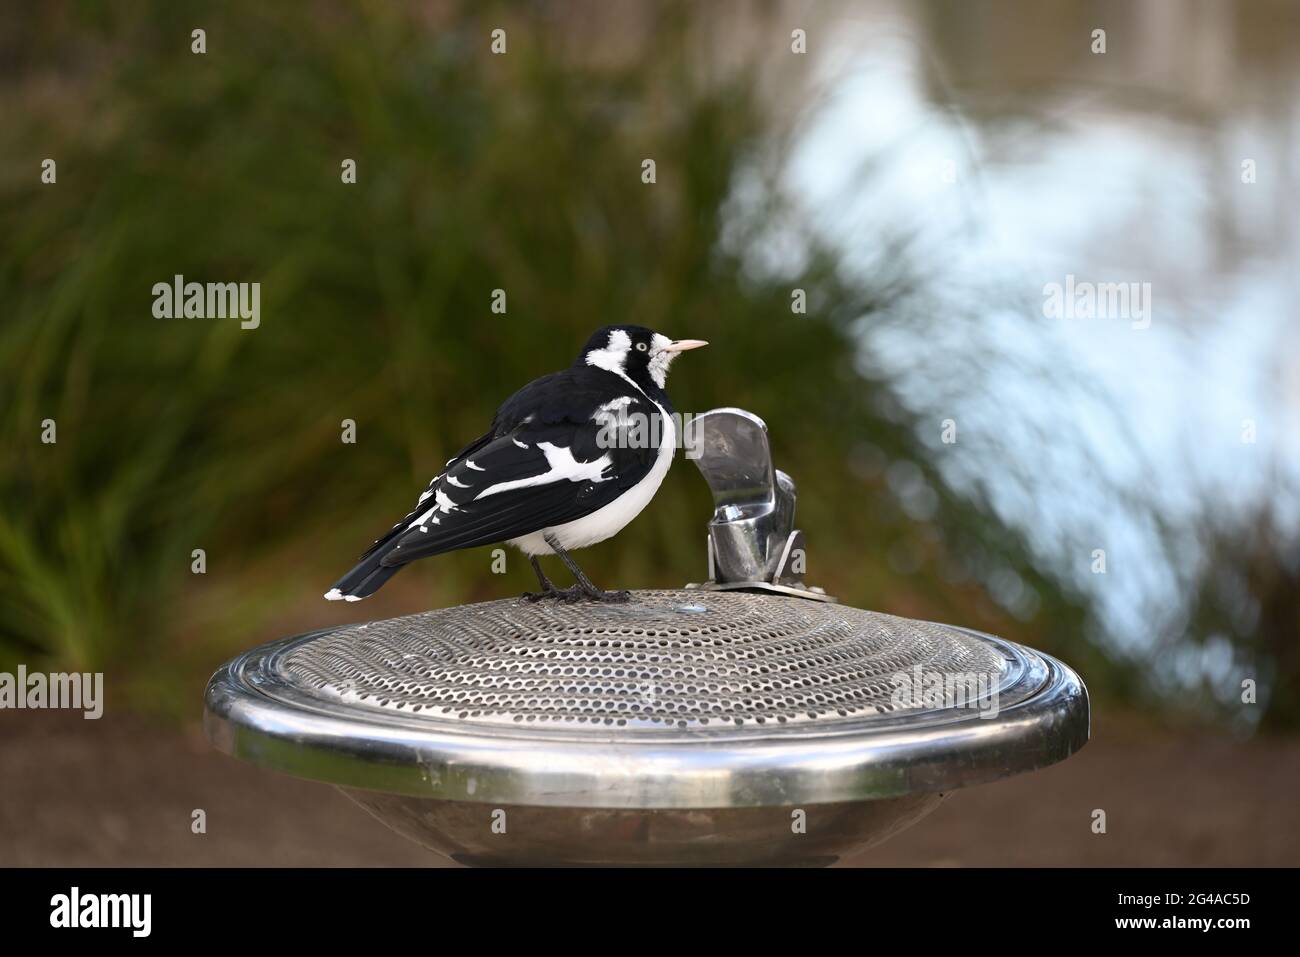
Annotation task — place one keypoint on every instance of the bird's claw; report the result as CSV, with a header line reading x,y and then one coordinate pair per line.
x,y
566,595
576,593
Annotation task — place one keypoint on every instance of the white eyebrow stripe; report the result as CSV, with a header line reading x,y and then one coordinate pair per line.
x,y
604,359
613,357
562,466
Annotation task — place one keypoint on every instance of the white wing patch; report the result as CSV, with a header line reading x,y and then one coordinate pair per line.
x,y
561,465
614,405
441,503
610,519
425,494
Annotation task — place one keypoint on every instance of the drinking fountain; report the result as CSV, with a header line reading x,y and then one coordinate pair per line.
x,y
746,720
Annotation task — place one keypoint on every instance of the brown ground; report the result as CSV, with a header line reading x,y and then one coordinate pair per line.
x,y
119,791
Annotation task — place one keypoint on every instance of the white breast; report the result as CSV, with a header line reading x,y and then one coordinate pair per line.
x,y
610,519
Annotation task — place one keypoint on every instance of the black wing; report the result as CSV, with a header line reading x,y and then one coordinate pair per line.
x,y
555,466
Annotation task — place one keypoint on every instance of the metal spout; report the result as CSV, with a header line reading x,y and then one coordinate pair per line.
x,y
752,541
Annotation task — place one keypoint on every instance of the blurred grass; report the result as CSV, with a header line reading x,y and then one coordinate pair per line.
x,y
475,172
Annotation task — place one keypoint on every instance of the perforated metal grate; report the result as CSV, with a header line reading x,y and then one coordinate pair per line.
x,y
668,659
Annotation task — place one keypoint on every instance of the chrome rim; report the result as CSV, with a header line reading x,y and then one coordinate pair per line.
x,y
260,710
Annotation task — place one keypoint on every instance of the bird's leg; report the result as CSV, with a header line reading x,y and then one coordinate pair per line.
x,y
584,583
548,587
541,575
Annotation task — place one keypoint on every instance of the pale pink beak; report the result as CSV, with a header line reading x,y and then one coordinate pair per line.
x,y
684,345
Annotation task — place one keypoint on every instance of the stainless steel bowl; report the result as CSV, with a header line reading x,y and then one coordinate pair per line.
x,y
685,727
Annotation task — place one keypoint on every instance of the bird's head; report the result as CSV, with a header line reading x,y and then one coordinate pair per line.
x,y
636,352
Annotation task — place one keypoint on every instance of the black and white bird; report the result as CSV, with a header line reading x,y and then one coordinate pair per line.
x,y
570,459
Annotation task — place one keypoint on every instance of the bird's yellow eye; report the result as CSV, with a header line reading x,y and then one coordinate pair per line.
x,y
641,347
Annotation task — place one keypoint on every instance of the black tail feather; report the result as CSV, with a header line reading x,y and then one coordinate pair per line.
x,y
364,580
